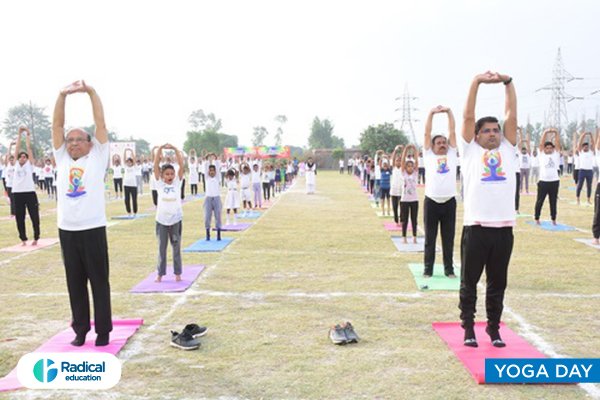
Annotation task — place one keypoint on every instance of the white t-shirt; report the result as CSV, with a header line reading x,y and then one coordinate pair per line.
x,y
524,161
440,175
535,161
245,180
396,182
129,176
255,176
489,184
576,161
48,171
138,170
169,210
80,188
549,166
341,163
586,160
23,178
193,173
9,172
213,185
118,172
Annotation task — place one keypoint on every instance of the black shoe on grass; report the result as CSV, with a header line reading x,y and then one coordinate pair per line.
x,y
184,341
195,330
350,334
337,335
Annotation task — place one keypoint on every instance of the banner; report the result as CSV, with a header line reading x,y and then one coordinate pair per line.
x,y
258,151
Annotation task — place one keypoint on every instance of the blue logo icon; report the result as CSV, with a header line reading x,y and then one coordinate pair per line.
x,y
43,372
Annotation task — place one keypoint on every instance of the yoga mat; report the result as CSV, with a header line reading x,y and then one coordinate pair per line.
x,y
188,276
205,246
474,358
112,223
42,244
588,242
234,227
392,227
547,225
138,216
410,247
249,214
60,343
438,281
380,215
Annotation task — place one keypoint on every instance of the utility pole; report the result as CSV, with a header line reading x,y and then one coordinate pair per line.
x,y
406,109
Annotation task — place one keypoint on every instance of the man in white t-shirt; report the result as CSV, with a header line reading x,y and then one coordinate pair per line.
x,y
489,170
439,205
23,189
535,166
586,165
549,182
81,162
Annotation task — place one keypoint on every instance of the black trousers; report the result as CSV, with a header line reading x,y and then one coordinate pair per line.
x,y
412,208
194,188
395,206
596,222
131,196
183,189
421,175
517,194
488,248
118,185
575,175
155,197
444,215
29,201
49,185
12,200
266,191
549,189
85,256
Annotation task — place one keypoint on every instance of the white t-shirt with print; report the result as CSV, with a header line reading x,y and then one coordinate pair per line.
x,y
549,164
80,188
23,178
440,175
524,161
129,176
489,178
169,210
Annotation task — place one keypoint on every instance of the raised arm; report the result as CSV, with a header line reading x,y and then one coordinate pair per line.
x,y
156,167
557,140
28,144
527,143
428,127
581,139
510,108
398,147
598,139
543,139
451,127
179,156
58,120
101,133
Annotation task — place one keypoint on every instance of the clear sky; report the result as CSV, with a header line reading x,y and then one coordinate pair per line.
x,y
153,62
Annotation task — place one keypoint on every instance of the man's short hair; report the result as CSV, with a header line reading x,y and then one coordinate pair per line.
x,y
212,167
548,144
481,121
166,167
435,137
22,153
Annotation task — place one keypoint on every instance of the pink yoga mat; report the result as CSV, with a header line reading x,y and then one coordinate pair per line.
x,y
123,329
391,226
168,284
42,243
474,358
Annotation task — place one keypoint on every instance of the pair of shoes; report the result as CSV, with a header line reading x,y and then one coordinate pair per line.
x,y
187,339
343,334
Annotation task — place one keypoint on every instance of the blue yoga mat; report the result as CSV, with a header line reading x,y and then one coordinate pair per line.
x,y
547,225
138,216
249,214
204,246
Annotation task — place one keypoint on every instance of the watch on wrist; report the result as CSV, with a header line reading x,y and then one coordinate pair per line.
x,y
508,81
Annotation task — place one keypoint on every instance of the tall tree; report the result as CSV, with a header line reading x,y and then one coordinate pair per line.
x,y
281,120
209,140
259,135
33,117
200,121
321,135
381,137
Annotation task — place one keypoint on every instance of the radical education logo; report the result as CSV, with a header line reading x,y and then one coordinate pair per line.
x,y
43,372
94,371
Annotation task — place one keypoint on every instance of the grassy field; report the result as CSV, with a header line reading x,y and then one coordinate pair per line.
x,y
269,299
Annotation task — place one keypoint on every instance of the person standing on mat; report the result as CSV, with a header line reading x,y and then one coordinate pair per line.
x,y
439,206
409,201
489,170
396,182
549,180
81,162
311,176
169,212
23,189
212,201
575,158
586,166
524,162
9,174
117,176
596,220
130,183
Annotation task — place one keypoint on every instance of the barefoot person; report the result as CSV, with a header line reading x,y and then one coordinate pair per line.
x,y
549,180
23,189
409,201
81,162
489,169
169,212
586,165
439,206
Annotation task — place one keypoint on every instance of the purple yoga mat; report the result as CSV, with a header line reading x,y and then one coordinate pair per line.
x,y
123,329
168,284
234,227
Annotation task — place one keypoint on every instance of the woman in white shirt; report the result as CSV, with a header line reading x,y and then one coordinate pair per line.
x,y
193,167
130,183
117,176
397,183
586,165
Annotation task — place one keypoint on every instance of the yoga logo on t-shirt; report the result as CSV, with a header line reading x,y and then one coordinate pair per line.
x,y
76,187
442,165
492,170
551,164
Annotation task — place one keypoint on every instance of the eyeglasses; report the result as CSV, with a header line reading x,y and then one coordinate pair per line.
x,y
489,130
76,140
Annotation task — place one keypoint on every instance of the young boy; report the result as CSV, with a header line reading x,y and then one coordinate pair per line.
x,y
212,202
169,212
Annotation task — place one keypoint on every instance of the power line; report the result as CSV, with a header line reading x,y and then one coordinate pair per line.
x,y
406,113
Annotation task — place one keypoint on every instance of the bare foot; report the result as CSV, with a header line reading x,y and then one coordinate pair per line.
x,y
578,202
34,243
158,279
537,221
589,202
405,241
596,242
415,240
553,222
177,278
24,243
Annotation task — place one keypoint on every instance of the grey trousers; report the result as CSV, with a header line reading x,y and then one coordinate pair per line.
x,y
140,184
165,234
212,205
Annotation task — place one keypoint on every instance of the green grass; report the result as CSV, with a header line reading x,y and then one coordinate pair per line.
x,y
271,296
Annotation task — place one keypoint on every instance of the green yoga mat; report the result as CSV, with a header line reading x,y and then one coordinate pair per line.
x,y
438,281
